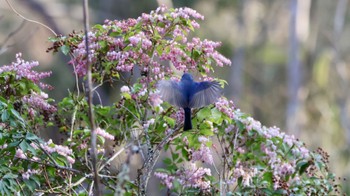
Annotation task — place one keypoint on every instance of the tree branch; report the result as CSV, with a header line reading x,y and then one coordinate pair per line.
x,y
29,20
90,96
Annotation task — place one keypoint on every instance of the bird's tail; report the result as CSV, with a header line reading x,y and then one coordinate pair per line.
x,y
188,122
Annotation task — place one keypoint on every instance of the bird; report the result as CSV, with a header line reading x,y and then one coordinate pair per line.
x,y
188,94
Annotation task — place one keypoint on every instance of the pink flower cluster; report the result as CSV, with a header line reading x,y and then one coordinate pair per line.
x,y
226,107
148,123
208,47
272,132
26,175
125,89
155,99
180,13
38,102
246,173
166,179
183,58
20,154
179,116
104,134
194,177
203,153
80,61
280,166
128,43
190,177
50,147
23,69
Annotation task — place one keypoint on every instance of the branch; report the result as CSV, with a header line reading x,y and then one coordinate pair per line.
x,y
145,172
90,96
3,47
113,157
29,20
55,165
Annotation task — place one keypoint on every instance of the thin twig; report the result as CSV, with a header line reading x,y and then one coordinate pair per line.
x,y
4,47
113,157
147,168
127,109
29,20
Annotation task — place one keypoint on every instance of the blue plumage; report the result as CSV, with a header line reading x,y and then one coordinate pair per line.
x,y
189,94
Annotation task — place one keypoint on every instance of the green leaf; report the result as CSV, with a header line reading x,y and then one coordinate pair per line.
x,y
65,49
267,176
126,95
167,161
9,176
98,27
302,166
4,116
31,136
206,132
17,115
13,144
53,39
30,184
169,121
203,113
24,146
103,45
175,156
184,153
159,49
216,115
137,87
196,54
114,34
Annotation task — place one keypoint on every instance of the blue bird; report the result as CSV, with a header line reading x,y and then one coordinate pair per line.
x,y
189,94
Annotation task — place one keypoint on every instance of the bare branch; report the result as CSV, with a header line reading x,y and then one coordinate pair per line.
x,y
29,20
4,47
90,97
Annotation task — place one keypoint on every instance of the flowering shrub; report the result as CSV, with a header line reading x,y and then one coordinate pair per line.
x,y
227,151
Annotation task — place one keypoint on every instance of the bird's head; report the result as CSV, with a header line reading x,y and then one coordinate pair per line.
x,y
187,77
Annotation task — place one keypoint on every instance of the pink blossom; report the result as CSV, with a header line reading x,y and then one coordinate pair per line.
x,y
104,134
50,147
23,69
26,175
203,154
3,146
225,106
148,123
125,89
166,179
202,139
38,102
155,99
194,177
20,154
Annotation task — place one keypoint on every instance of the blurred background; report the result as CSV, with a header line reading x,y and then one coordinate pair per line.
x,y
290,63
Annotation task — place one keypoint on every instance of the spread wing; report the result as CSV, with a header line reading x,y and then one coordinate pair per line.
x,y
170,91
205,94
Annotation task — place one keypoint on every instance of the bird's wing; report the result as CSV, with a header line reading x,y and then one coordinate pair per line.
x,y
205,93
170,91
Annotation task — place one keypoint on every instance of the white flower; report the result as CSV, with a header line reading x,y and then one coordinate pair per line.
x,y
125,89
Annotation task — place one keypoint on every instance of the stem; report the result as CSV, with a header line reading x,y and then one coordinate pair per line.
x,y
145,172
90,96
